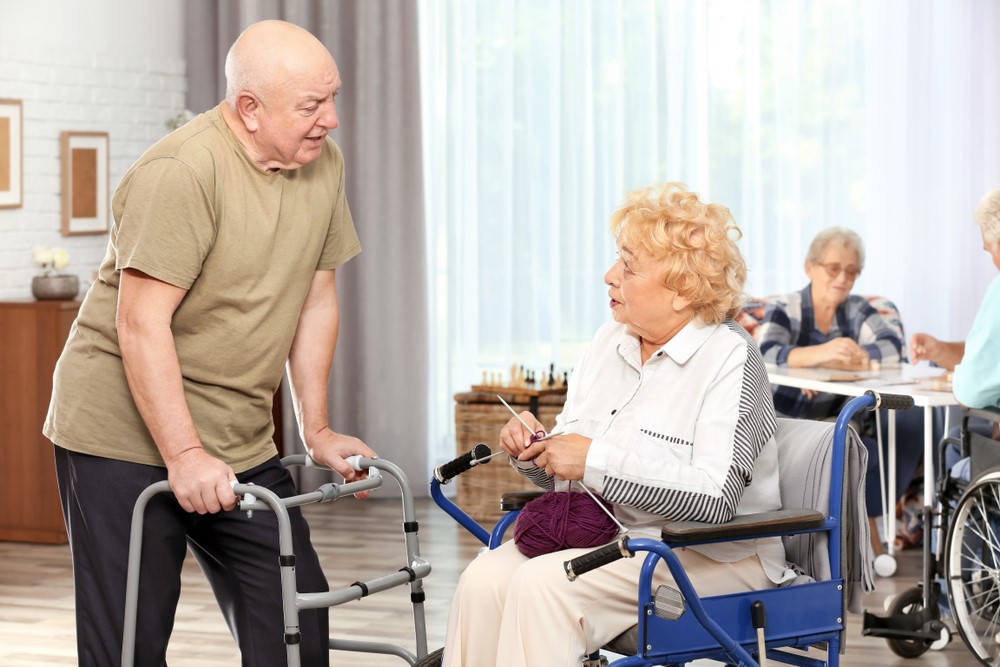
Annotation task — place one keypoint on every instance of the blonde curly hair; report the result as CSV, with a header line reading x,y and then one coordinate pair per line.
x,y
695,240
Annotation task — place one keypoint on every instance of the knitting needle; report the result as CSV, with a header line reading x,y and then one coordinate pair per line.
x,y
538,435
604,509
517,416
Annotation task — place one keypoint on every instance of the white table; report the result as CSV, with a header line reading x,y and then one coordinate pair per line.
x,y
905,379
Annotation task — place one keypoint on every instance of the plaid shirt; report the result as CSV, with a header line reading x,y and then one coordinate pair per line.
x,y
790,322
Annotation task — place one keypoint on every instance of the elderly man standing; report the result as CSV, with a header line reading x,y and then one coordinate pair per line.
x,y
219,271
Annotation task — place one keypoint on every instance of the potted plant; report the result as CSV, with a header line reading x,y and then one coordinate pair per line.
x,y
50,284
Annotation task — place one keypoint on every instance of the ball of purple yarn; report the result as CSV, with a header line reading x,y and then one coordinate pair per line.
x,y
562,520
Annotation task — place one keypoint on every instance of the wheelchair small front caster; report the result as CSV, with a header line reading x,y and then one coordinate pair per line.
x,y
944,636
885,565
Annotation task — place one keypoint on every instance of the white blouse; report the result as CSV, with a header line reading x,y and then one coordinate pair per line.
x,y
689,435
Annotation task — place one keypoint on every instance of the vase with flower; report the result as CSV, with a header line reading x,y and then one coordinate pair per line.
x,y
51,284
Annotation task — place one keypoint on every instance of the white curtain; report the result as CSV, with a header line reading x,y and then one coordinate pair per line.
x,y
538,115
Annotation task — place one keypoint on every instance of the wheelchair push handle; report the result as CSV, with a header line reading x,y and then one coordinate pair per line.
x,y
890,401
599,557
478,455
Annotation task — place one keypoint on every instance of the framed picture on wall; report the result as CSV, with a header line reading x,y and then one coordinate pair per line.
x,y
84,182
11,136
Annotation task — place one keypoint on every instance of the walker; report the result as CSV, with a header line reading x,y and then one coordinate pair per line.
x,y
255,499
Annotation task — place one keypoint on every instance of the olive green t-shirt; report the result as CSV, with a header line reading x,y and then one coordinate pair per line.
x,y
195,212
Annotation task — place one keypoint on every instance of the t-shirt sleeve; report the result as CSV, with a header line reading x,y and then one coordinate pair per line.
x,y
342,241
976,381
167,225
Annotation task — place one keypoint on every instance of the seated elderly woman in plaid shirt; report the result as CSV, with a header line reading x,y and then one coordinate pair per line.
x,y
823,324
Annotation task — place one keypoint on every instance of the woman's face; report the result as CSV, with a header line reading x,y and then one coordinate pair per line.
x,y
640,301
834,274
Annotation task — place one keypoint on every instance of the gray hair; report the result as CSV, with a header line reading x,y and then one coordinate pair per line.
x,y
838,236
987,216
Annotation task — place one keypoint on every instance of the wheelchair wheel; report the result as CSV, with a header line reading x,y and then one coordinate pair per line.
x,y
431,659
972,567
910,601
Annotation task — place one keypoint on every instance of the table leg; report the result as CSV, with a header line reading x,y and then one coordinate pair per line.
x,y
929,497
889,511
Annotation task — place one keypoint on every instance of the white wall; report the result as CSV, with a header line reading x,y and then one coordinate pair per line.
x,y
114,66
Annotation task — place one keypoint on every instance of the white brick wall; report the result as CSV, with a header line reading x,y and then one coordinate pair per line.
x,y
126,96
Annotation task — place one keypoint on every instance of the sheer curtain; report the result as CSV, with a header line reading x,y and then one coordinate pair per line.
x,y
538,116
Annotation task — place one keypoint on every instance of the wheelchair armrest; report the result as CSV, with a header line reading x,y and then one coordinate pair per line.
x,y
516,500
989,414
746,525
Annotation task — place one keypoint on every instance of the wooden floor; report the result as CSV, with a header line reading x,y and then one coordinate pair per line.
x,y
356,540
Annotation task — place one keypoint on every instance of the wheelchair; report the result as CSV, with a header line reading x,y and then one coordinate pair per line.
x,y
822,521
971,557
963,550
259,499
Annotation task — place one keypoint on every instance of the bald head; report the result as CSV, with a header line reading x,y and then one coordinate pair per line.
x,y
272,53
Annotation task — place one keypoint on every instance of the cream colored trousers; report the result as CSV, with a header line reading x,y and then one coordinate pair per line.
x,y
518,612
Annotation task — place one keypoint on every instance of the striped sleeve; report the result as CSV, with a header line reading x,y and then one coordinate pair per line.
x,y
777,334
754,426
873,333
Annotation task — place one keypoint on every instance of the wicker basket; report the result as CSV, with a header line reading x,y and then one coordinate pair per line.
x,y
479,416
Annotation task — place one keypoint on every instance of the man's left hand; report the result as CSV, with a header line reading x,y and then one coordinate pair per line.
x,y
330,449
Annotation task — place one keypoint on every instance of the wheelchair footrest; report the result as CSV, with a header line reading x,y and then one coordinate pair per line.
x,y
909,625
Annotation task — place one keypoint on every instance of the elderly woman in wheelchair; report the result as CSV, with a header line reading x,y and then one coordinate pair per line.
x,y
668,416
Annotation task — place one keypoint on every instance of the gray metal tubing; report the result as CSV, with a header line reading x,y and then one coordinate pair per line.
x,y
132,578
412,548
376,585
289,609
323,494
292,601
274,503
372,647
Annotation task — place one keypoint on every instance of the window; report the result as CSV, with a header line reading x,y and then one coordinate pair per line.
x,y
538,116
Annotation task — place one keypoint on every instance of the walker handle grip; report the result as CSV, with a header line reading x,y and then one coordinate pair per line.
x,y
891,401
447,471
599,557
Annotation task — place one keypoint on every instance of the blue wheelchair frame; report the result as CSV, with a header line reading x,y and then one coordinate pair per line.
x,y
718,627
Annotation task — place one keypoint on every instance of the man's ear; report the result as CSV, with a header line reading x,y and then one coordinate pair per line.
x,y
248,106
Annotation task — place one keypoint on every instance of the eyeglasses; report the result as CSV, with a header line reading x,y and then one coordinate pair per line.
x,y
833,270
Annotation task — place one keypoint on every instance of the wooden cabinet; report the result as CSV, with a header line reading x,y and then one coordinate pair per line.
x,y
32,335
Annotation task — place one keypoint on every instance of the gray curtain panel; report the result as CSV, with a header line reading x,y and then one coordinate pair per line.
x,y
378,388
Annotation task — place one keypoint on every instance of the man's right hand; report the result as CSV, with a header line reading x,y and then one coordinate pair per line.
x,y
924,346
201,483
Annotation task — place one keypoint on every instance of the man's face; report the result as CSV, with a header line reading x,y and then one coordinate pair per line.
x,y
296,115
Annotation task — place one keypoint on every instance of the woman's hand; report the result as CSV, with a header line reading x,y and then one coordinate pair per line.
x,y
839,352
514,438
562,456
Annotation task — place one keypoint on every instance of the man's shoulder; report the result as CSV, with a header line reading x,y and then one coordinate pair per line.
x,y
993,293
